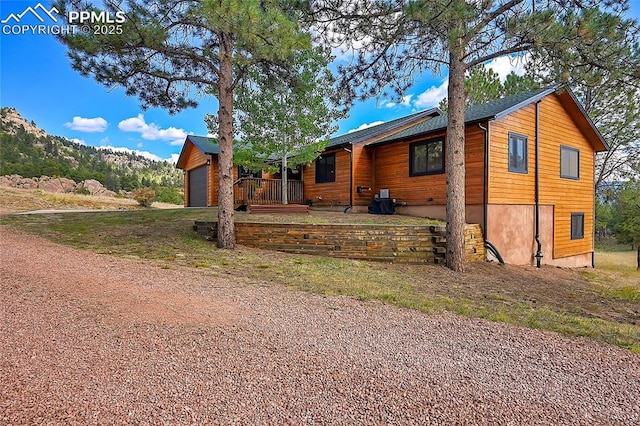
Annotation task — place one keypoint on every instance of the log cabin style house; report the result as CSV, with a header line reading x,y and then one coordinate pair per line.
x,y
529,173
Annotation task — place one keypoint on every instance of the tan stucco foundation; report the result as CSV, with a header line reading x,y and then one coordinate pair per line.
x,y
511,228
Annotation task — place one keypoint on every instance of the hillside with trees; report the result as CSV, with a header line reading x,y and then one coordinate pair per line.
x,y
28,151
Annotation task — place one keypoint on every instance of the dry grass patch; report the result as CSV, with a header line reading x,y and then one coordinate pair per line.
x,y
14,200
601,305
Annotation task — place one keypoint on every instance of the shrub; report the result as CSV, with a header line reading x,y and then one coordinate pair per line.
x,y
166,194
144,196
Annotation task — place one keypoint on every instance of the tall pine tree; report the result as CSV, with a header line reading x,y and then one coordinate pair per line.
x,y
173,53
393,41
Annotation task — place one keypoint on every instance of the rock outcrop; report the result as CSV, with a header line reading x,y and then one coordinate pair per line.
x,y
56,185
95,188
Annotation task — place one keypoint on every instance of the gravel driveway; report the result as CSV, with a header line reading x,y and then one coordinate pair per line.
x,y
95,339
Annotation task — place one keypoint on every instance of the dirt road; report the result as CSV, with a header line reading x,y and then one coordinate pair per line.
x,y
94,339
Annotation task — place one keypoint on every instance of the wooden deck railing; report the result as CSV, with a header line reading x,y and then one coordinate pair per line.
x,y
248,191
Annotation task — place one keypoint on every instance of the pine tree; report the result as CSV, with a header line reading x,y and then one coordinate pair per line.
x,y
397,40
172,53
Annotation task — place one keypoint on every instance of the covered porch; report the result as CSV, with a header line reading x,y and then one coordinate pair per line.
x,y
258,191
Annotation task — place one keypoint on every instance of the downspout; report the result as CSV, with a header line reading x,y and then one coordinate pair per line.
x,y
350,151
538,254
487,244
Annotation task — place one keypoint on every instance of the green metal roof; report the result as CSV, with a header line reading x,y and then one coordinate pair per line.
x,y
373,131
475,113
205,144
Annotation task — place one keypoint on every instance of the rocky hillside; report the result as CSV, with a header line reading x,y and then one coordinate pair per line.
x,y
27,151
56,185
12,121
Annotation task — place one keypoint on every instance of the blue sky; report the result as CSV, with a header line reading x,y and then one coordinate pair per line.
x,y
36,78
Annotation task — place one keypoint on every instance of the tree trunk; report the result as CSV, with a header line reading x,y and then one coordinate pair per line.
x,y
455,161
226,231
285,195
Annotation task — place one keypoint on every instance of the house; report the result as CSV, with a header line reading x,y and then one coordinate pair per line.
x,y
199,161
529,173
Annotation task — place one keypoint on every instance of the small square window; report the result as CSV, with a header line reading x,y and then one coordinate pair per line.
x,y
426,158
326,168
518,153
577,226
569,162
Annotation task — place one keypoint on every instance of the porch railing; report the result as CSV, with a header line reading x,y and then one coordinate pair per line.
x,y
247,191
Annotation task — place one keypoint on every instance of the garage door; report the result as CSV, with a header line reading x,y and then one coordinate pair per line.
x,y
198,186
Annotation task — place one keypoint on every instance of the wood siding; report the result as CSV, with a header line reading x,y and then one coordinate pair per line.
x,y
196,158
391,171
566,195
507,187
362,175
329,193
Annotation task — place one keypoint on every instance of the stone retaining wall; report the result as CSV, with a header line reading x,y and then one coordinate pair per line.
x,y
388,243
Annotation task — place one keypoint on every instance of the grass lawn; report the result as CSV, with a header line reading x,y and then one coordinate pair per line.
x,y
599,304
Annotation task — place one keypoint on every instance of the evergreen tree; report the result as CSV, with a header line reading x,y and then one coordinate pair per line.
x,y
627,210
396,40
173,52
483,85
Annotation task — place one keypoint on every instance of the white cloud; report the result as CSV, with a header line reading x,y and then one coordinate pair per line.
x,y
173,159
89,125
365,126
151,131
432,96
406,101
505,64
78,141
145,154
